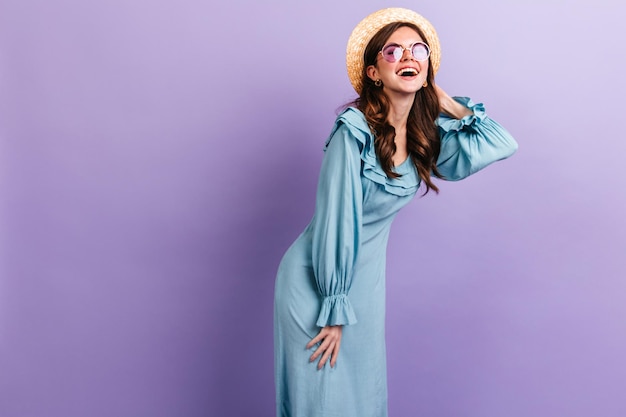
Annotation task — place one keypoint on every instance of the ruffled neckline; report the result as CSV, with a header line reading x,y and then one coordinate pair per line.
x,y
354,120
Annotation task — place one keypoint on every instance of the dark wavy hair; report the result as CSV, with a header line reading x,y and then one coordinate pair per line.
x,y
423,141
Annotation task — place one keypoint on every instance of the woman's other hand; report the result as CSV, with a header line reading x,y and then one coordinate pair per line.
x,y
330,338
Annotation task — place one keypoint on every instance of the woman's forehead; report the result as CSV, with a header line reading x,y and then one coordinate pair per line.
x,y
405,34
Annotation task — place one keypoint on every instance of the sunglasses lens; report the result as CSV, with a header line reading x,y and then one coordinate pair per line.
x,y
392,53
420,51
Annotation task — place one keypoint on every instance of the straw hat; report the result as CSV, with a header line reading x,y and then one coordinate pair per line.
x,y
368,27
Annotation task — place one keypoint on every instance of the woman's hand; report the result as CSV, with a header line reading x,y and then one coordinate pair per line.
x,y
450,106
330,338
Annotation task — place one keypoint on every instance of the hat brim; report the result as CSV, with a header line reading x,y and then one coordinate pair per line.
x,y
368,27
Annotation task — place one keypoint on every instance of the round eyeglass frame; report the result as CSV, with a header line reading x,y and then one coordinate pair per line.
x,y
398,51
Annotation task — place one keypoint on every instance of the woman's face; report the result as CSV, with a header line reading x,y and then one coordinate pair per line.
x,y
407,74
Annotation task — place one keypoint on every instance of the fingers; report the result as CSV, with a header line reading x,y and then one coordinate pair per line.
x,y
316,339
330,338
333,359
326,355
321,349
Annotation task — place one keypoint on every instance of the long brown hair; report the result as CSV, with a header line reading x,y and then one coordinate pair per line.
x,y
421,132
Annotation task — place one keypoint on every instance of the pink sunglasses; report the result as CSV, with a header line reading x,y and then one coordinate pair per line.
x,y
393,52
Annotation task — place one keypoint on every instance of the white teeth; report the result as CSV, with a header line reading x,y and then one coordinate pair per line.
x,y
407,71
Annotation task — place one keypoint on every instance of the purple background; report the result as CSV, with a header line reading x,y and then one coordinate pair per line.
x,y
158,157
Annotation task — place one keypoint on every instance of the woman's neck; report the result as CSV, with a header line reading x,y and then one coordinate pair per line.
x,y
399,110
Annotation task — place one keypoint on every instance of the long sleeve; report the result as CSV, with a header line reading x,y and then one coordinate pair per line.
x,y
337,227
472,143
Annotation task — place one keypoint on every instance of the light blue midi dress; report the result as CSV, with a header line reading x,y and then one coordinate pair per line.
x,y
334,273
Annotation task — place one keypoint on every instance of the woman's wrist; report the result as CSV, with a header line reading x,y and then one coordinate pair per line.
x,y
453,108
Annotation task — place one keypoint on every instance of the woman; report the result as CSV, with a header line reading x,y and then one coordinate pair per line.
x,y
330,288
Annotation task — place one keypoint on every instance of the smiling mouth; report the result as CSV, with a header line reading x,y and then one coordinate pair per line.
x,y
407,72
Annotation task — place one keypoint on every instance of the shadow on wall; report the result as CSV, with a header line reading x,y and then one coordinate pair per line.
x,y
269,208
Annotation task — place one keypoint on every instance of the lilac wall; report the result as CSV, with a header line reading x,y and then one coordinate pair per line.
x,y
157,158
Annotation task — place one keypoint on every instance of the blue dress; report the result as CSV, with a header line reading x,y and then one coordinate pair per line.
x,y
334,273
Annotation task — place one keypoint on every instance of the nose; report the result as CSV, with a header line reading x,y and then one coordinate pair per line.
x,y
407,53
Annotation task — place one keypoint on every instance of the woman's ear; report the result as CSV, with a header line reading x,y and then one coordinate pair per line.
x,y
372,73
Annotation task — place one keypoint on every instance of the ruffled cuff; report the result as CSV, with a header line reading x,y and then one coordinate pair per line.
x,y
336,310
448,123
